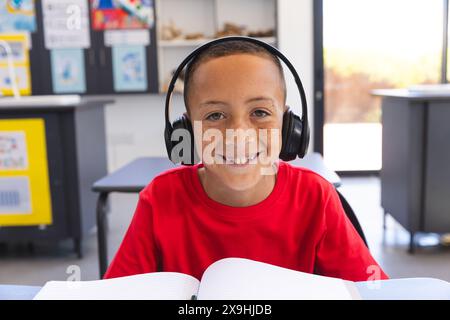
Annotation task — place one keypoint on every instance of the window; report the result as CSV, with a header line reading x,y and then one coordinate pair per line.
x,y
372,44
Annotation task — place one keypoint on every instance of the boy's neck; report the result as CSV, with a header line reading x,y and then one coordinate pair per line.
x,y
219,192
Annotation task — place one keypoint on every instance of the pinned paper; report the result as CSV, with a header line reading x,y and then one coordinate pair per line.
x,y
13,151
15,196
129,68
127,37
17,53
66,24
17,15
122,14
68,71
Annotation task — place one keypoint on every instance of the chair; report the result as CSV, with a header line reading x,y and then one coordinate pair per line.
x,y
352,217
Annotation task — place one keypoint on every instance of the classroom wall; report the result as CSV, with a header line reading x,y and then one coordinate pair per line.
x,y
135,123
295,40
135,126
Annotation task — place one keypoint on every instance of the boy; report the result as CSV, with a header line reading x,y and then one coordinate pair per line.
x,y
192,216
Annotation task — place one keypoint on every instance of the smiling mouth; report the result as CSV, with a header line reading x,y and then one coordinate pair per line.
x,y
240,161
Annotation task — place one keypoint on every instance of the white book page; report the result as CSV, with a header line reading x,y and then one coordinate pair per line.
x,y
243,279
150,286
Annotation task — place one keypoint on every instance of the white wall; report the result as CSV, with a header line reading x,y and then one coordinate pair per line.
x,y
135,126
295,40
135,123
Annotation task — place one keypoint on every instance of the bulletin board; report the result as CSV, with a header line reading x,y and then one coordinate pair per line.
x,y
82,46
25,197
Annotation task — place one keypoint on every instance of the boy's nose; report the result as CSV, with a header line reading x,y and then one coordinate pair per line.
x,y
239,123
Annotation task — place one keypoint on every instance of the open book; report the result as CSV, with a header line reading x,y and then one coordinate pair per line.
x,y
228,279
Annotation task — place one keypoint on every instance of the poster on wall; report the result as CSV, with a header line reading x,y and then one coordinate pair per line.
x,y
17,15
129,68
25,197
17,53
66,24
122,14
68,71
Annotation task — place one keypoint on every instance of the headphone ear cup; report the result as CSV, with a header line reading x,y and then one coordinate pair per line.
x,y
285,132
291,145
184,123
304,141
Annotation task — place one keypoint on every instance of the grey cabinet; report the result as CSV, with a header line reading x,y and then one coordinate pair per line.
x,y
415,175
76,157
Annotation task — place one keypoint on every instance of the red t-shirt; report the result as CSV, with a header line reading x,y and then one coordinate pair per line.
x,y
301,225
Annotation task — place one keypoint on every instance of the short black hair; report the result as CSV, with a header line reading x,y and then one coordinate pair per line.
x,y
223,49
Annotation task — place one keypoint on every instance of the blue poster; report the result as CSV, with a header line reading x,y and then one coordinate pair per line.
x,y
129,68
68,73
17,15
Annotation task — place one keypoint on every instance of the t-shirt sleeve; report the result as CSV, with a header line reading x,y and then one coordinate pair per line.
x,y
341,253
137,253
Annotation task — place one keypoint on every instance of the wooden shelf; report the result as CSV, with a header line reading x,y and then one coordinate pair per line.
x,y
206,17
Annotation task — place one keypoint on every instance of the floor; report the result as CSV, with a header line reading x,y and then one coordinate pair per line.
x,y
21,264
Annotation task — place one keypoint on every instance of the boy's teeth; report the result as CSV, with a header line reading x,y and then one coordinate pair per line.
x,y
241,160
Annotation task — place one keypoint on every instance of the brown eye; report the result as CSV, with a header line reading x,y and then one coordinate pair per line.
x,y
215,116
260,113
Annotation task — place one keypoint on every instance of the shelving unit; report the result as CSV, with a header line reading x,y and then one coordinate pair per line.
x,y
206,17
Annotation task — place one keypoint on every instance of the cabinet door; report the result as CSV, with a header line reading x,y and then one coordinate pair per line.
x,y
106,64
402,158
437,178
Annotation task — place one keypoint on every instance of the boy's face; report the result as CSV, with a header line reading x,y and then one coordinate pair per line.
x,y
241,91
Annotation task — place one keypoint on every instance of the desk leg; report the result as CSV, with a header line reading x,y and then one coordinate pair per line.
x,y
102,233
78,247
412,243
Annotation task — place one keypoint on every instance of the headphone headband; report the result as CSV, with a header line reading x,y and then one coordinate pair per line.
x,y
263,44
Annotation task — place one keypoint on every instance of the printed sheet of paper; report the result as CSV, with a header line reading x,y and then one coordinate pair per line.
x,y
129,68
17,15
127,37
122,14
68,71
66,24
18,55
13,151
15,196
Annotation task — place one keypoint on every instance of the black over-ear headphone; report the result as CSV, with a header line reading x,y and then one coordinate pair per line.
x,y
295,131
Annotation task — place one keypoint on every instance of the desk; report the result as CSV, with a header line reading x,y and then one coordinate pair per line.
x,y
395,289
12,292
136,175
